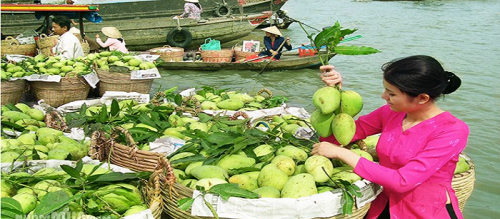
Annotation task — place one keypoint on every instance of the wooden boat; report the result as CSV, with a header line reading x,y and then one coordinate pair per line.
x,y
146,23
288,61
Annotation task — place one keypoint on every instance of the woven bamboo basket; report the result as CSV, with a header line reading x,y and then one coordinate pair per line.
x,y
114,81
12,91
179,191
11,46
55,94
168,53
219,56
241,55
106,148
463,184
45,44
152,191
54,120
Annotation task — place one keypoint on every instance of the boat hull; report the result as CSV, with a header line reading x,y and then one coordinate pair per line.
x,y
287,62
145,24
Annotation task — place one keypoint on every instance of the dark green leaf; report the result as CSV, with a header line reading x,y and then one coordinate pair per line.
x,y
71,171
221,138
190,159
114,177
103,114
115,107
355,50
326,35
204,117
79,166
185,203
11,207
348,203
228,190
53,201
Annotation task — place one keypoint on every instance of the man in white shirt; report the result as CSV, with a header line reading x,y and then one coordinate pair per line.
x,y
68,46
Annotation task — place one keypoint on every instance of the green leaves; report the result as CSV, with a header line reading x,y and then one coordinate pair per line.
x,y
53,201
355,50
331,37
11,208
228,190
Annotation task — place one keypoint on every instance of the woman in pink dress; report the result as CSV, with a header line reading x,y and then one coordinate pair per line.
x,y
115,39
419,143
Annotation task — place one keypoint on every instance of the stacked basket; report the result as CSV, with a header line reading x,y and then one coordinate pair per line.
x,y
168,53
55,94
46,43
11,46
117,81
217,56
12,91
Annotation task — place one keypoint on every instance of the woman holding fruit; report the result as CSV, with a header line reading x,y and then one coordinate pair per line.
x,y
419,143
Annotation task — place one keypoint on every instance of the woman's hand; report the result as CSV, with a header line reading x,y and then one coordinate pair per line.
x,y
273,52
327,149
97,36
329,76
332,151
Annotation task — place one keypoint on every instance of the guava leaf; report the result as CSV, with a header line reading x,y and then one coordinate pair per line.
x,y
193,158
115,108
185,203
11,208
113,177
71,171
326,35
53,201
355,50
228,190
348,203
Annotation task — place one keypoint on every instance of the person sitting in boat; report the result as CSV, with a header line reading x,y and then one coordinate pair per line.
x,y
68,46
192,9
115,40
273,42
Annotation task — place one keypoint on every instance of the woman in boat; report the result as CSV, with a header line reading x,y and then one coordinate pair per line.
x,y
274,43
419,144
192,9
115,39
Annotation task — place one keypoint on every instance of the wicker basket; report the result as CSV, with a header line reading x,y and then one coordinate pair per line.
x,y
169,54
45,44
85,47
241,55
219,56
54,120
463,184
114,81
12,91
179,191
107,149
56,94
11,46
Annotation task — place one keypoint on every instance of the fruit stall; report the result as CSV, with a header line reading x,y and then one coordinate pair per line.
x,y
195,153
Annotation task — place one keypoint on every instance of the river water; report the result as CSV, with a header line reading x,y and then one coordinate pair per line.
x,y
463,34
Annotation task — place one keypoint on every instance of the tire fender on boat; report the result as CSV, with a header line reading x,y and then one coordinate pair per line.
x,y
174,34
222,10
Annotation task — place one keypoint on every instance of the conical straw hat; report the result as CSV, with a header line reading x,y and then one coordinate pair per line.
x,y
273,30
112,32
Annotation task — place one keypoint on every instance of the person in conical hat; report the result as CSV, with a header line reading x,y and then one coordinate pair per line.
x,y
273,41
192,9
115,39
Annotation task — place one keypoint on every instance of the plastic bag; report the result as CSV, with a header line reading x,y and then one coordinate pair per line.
x,y
211,44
